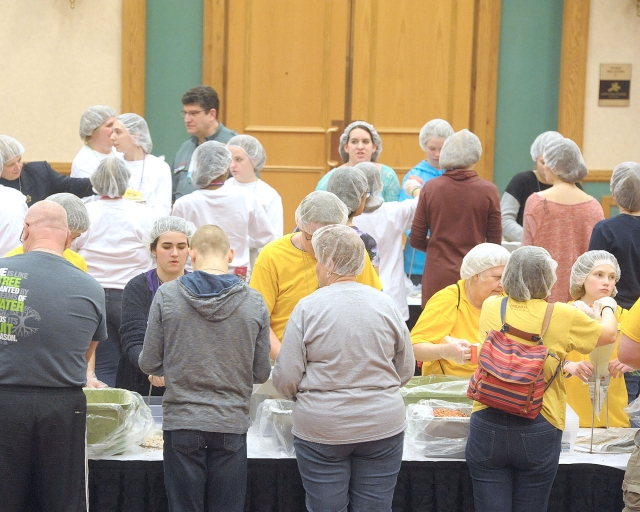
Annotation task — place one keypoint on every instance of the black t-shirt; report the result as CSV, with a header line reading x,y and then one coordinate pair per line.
x,y
521,186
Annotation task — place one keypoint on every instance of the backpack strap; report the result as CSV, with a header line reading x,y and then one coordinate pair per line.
x,y
506,328
458,287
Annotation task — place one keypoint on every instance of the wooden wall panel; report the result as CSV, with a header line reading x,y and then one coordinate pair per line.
x,y
214,45
133,55
573,69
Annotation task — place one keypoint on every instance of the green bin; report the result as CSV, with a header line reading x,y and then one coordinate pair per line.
x,y
440,387
107,409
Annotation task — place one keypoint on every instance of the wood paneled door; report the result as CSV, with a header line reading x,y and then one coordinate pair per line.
x,y
293,73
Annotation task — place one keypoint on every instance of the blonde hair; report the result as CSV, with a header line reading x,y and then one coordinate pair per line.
x,y
210,239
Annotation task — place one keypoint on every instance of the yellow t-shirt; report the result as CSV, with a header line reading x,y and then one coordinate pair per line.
x,y
284,274
578,393
71,256
442,317
569,329
630,326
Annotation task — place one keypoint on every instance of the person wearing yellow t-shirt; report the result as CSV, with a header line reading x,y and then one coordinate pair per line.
x,y
448,324
513,460
593,276
285,270
629,354
78,222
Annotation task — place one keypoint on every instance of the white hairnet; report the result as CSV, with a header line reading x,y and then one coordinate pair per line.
x,y
435,128
252,147
483,257
138,130
374,180
320,208
111,178
171,224
584,265
210,160
537,148
564,158
93,117
349,184
77,214
460,150
10,148
625,185
340,249
375,138
530,274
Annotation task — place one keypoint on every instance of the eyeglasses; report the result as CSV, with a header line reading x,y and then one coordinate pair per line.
x,y
191,113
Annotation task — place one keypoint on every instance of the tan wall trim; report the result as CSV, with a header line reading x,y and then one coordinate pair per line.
x,y
598,176
61,167
134,16
484,97
573,69
214,44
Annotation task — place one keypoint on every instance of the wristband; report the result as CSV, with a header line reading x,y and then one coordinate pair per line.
x,y
413,190
605,307
564,368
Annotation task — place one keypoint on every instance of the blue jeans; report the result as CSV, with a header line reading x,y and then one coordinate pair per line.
x,y
358,476
108,351
512,461
205,471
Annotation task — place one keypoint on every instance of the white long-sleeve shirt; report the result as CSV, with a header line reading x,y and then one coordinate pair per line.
x,y
13,208
386,225
152,178
235,210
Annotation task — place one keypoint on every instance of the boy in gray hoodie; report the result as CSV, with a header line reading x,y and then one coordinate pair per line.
x,y
208,335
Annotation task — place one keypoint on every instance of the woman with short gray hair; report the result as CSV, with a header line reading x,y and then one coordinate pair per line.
x,y
348,421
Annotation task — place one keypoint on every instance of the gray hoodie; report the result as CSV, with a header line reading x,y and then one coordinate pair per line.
x,y
209,336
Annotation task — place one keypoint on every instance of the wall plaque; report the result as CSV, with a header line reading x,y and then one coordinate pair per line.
x,y
615,84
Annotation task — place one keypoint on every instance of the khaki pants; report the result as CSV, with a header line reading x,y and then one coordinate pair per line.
x,y
631,483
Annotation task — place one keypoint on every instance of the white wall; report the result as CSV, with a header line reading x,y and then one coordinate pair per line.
x,y
612,134
56,62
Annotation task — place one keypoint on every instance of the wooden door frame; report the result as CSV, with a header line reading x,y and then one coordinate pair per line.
x,y
485,72
134,33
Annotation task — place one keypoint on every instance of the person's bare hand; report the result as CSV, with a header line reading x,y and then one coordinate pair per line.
x,y
582,369
156,381
617,369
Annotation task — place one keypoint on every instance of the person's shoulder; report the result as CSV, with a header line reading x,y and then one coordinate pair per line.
x,y
267,189
522,177
223,134
137,282
40,167
12,195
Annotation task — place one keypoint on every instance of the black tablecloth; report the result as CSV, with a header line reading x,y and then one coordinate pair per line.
x,y
274,485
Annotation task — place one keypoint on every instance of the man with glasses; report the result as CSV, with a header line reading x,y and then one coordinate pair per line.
x,y
200,111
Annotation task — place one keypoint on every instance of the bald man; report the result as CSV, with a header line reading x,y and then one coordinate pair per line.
x,y
50,313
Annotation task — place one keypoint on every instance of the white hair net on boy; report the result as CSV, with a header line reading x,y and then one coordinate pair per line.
x,y
340,249
10,148
625,185
375,138
583,266
210,160
320,208
252,147
564,158
529,274
483,257
77,214
435,128
374,180
460,150
537,148
138,130
171,224
349,184
111,178
92,118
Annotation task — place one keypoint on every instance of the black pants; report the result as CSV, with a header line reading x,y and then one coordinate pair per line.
x,y
108,351
42,449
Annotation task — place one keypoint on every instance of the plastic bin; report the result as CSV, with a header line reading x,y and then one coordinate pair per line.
x,y
106,411
274,421
155,404
439,387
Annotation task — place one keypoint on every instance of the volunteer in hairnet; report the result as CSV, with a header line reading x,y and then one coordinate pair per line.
x,y
561,218
521,186
13,208
593,277
169,245
115,251
360,142
351,186
96,126
449,322
150,180
620,235
247,160
455,212
348,422
35,180
234,209
514,468
431,138
285,270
